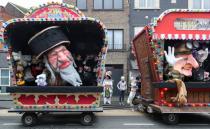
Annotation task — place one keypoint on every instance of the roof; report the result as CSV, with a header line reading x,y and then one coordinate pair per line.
x,y
18,8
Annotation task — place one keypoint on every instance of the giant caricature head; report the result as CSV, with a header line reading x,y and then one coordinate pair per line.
x,y
50,43
181,59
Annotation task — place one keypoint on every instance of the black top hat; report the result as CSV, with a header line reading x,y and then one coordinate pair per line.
x,y
47,39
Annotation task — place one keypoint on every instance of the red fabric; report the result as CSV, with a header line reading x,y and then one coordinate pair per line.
x,y
86,99
50,99
27,100
71,99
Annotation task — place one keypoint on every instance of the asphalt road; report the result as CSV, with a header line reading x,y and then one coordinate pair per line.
x,y
139,121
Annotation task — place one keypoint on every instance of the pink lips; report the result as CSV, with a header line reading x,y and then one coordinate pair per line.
x,y
64,65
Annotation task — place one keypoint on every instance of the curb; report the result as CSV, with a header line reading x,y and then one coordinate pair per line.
x,y
4,94
5,97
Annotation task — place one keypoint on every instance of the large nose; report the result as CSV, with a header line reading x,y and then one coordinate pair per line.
x,y
62,56
192,60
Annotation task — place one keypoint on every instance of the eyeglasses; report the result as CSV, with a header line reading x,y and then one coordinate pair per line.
x,y
191,45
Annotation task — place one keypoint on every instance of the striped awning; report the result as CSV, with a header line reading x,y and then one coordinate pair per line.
x,y
182,36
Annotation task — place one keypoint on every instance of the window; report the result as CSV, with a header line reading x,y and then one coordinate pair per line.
x,y
173,1
137,30
115,39
82,4
199,4
98,4
4,77
108,4
146,4
1,19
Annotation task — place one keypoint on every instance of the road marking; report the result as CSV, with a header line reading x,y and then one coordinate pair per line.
x,y
71,124
138,124
11,124
195,124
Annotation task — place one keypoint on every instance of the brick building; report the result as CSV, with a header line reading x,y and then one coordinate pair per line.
x,y
8,12
115,15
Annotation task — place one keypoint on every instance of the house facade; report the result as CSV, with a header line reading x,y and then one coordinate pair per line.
x,y
115,15
6,13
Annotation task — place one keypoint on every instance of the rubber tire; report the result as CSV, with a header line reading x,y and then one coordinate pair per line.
x,y
29,116
87,118
145,110
171,118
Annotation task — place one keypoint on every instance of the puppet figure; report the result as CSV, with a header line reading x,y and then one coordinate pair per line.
x,y
20,74
41,80
181,97
51,44
183,62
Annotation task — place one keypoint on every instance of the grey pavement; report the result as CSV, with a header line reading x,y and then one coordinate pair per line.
x,y
135,120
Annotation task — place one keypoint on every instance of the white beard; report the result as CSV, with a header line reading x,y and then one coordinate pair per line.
x,y
70,75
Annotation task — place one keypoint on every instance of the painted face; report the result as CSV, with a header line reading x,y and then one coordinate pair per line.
x,y
185,65
59,57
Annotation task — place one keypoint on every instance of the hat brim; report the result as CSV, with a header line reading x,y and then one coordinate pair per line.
x,y
60,43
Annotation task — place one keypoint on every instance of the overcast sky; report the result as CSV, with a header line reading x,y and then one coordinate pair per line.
x,y
27,3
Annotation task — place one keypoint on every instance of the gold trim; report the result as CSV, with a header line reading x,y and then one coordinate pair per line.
x,y
37,34
51,48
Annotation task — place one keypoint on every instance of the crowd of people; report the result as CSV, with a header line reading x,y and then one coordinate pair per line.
x,y
133,88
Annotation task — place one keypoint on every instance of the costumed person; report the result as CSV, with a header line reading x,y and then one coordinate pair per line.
x,y
138,84
122,87
41,80
51,44
132,92
108,88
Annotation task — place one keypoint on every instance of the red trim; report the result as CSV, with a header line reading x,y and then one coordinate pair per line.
x,y
54,11
168,22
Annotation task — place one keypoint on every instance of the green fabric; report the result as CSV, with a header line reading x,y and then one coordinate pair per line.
x,y
107,93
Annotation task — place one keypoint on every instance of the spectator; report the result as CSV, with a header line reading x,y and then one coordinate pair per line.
x,y
122,87
138,84
132,93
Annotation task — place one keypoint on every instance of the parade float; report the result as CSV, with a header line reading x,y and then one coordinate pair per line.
x,y
174,48
87,46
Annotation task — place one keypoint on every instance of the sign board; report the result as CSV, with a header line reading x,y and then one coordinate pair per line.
x,y
192,24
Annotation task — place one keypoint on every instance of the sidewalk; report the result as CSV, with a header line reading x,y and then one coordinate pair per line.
x,y
5,97
118,112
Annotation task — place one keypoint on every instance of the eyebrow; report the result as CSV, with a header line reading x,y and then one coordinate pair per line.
x,y
55,52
